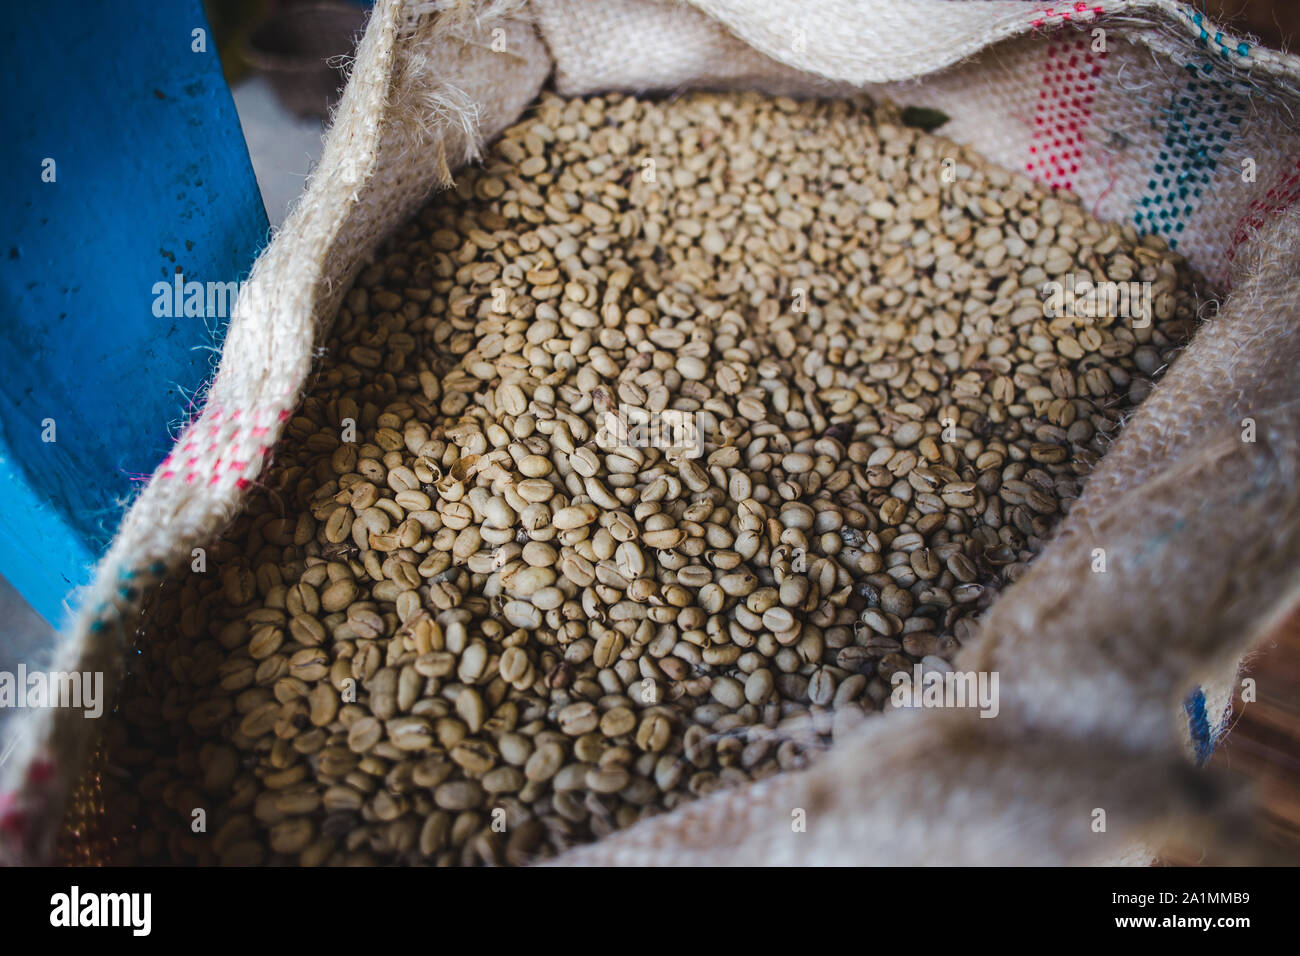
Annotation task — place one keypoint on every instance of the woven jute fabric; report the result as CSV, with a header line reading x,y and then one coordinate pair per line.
x,y
1152,115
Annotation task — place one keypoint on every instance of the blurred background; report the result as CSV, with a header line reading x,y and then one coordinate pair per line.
x,y
284,62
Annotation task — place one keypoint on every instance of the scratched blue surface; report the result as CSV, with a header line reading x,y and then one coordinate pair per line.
x,y
152,177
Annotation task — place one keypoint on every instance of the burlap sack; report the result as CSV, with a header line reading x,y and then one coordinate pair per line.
x,y
1174,126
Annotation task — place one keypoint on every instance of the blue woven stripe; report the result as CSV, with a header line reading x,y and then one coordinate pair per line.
x,y
1198,725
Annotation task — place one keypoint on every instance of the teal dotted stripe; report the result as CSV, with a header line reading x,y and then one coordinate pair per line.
x,y
1203,115
1223,47
131,583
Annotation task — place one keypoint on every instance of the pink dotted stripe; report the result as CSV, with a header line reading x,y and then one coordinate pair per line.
x,y
1063,111
1279,197
1079,10
206,452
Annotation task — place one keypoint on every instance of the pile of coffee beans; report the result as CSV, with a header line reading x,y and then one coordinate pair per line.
x,y
634,468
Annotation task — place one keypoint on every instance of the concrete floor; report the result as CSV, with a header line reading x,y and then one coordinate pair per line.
x,y
24,638
283,147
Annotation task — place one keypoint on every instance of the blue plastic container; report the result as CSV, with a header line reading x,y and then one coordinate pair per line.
x,y
123,165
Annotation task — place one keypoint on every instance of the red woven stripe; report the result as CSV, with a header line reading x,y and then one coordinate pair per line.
x,y
1079,10
1063,111
1280,197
